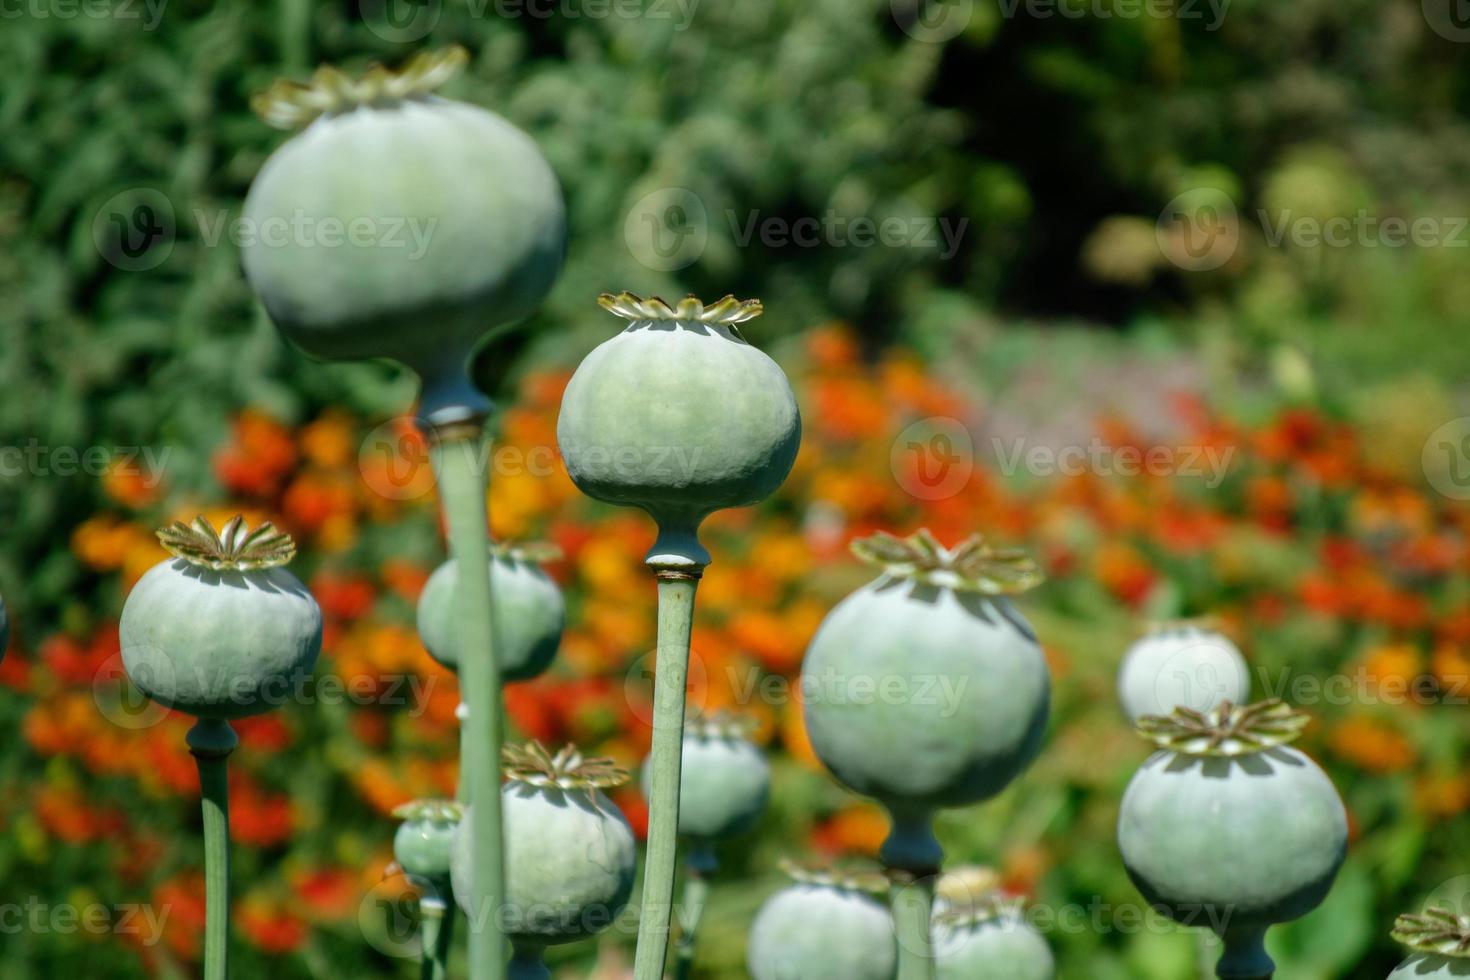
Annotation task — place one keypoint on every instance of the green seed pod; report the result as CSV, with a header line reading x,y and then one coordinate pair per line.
x,y
926,688
530,612
980,934
828,926
398,224
220,631
423,843
726,780
570,856
1440,944
680,416
1181,665
1227,827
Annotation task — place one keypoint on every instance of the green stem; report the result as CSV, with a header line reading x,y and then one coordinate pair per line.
x,y
438,936
698,867
911,855
462,487
913,902
210,742
671,673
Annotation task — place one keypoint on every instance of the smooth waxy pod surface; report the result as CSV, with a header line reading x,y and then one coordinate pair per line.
x,y
827,926
726,780
981,934
399,224
1181,665
570,856
220,630
679,416
1440,944
424,841
1228,827
926,688
529,613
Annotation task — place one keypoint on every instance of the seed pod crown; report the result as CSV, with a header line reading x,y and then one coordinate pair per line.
x,y
235,548
431,811
1227,730
971,566
727,311
851,879
1438,930
533,765
720,724
289,105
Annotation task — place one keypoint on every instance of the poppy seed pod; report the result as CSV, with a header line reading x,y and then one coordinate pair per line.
x,y
398,224
981,934
570,855
220,630
1181,665
1440,943
828,926
679,416
1226,826
529,612
726,780
424,841
926,688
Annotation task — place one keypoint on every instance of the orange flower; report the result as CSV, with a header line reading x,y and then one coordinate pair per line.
x,y
126,483
330,440
1372,745
270,925
183,898
859,828
258,459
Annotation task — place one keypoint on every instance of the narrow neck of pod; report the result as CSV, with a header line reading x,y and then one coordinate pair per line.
x,y
677,550
527,962
450,407
911,847
1245,956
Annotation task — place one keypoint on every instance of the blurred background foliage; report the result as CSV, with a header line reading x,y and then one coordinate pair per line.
x,y
1060,145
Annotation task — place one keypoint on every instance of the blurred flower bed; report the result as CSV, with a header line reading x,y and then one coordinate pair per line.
x,y
1342,576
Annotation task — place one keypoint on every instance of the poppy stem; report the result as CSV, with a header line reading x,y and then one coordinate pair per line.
x,y
211,741
676,588
458,459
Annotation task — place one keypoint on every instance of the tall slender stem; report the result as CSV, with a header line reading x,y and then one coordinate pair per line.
x,y
671,673
698,867
912,856
913,902
462,488
210,742
437,928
